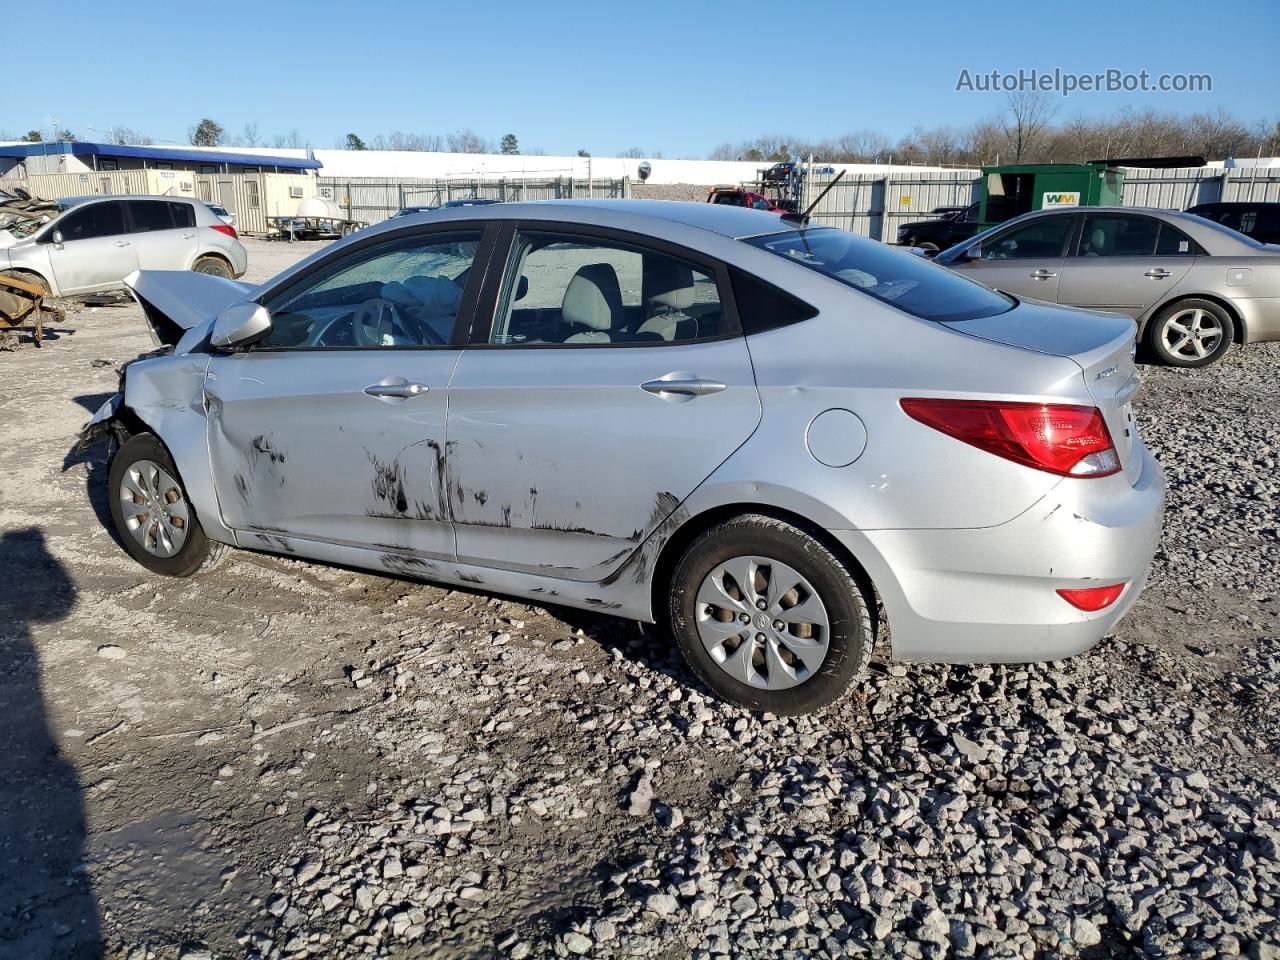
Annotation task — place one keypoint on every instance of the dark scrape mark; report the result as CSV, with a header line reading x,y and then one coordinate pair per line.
x,y
388,483
469,578
565,528
279,544
506,517
599,604
458,493
242,487
414,568
481,497
261,446
666,517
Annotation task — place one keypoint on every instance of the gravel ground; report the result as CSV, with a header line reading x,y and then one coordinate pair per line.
x,y
284,759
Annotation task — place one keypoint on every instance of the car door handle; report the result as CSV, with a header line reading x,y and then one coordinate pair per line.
x,y
1043,274
188,236
122,243
1159,273
690,387
399,388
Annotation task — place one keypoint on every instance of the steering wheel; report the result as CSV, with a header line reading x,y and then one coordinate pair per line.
x,y
374,319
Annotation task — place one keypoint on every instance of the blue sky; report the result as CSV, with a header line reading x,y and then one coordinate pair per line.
x,y
679,77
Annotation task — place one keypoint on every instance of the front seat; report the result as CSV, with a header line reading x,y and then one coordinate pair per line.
x,y
1097,242
592,304
670,294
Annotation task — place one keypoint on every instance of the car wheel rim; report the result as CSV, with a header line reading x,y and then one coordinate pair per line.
x,y
154,508
762,623
1192,334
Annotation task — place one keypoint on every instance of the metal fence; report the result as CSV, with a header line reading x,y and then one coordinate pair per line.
x,y
373,199
873,205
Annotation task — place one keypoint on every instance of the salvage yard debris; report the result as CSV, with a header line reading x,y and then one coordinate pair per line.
x,y
22,306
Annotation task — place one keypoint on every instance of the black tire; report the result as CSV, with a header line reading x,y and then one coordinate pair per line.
x,y
214,266
850,638
198,552
1161,336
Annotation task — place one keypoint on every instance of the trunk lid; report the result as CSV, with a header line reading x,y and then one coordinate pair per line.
x,y
175,301
1101,344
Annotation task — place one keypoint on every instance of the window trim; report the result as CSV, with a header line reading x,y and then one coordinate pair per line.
x,y
486,311
463,319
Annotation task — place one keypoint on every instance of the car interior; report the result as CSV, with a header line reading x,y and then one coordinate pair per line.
x,y
624,296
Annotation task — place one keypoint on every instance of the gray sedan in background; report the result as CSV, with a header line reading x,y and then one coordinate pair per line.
x,y
1193,286
757,432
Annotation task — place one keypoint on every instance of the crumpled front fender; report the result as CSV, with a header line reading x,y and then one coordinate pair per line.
x,y
99,426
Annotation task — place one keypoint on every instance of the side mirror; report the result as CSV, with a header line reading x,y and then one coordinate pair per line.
x,y
240,325
56,237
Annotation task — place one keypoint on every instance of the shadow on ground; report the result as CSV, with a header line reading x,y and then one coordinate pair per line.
x,y
47,908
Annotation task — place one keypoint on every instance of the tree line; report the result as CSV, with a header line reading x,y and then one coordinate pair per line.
x,y
1025,132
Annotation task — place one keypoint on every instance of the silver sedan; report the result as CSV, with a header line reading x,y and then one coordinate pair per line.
x,y
769,437
1193,285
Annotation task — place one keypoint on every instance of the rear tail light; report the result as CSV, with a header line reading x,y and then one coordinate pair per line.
x,y
226,228
1060,438
1092,599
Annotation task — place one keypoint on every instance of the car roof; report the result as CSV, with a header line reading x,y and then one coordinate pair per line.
x,y
93,197
732,222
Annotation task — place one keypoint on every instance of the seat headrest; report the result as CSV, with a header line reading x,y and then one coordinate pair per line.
x,y
593,298
1097,239
671,285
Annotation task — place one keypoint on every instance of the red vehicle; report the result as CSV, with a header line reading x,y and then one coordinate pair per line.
x,y
737,197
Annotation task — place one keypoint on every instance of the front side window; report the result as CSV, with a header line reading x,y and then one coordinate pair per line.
x,y
93,220
1118,235
576,290
404,293
907,282
1042,237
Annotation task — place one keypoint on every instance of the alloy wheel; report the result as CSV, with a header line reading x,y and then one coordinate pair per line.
x,y
1192,334
154,508
762,622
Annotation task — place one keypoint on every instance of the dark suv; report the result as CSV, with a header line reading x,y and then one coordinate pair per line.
x,y
1258,220
956,224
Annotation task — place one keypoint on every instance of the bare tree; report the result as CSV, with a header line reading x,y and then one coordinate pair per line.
x,y
633,153
1024,121
249,136
292,140
127,135
467,141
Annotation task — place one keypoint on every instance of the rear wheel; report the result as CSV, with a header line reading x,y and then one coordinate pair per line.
x,y
152,513
215,266
1190,333
768,617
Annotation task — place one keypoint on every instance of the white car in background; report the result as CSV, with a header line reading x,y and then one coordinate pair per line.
x,y
222,213
98,241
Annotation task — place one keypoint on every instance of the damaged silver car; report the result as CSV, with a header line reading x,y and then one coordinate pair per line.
x,y
773,437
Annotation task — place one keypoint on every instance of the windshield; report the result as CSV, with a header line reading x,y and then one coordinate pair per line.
x,y
897,278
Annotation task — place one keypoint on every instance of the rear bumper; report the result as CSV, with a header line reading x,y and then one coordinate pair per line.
x,y
988,595
1261,318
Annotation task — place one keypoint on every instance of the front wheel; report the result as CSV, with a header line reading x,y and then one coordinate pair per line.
x,y
1190,333
152,513
768,617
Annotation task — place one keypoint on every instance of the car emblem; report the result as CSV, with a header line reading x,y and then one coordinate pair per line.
x,y
1109,372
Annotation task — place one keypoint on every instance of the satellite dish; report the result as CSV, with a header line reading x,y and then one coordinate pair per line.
x,y
644,170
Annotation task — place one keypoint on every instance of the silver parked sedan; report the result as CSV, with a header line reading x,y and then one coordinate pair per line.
x,y
1193,285
766,435
98,241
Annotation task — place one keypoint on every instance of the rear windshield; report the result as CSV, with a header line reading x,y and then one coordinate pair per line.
x,y
905,281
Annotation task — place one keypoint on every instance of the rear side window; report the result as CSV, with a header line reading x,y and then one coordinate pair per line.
x,y
183,214
150,215
1174,243
93,220
904,281
762,306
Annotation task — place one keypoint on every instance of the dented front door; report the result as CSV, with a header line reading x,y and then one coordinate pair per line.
x,y
324,446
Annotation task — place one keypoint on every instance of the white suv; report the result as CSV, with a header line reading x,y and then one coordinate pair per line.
x,y
98,241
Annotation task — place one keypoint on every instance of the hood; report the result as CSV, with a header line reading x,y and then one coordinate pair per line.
x,y
175,301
